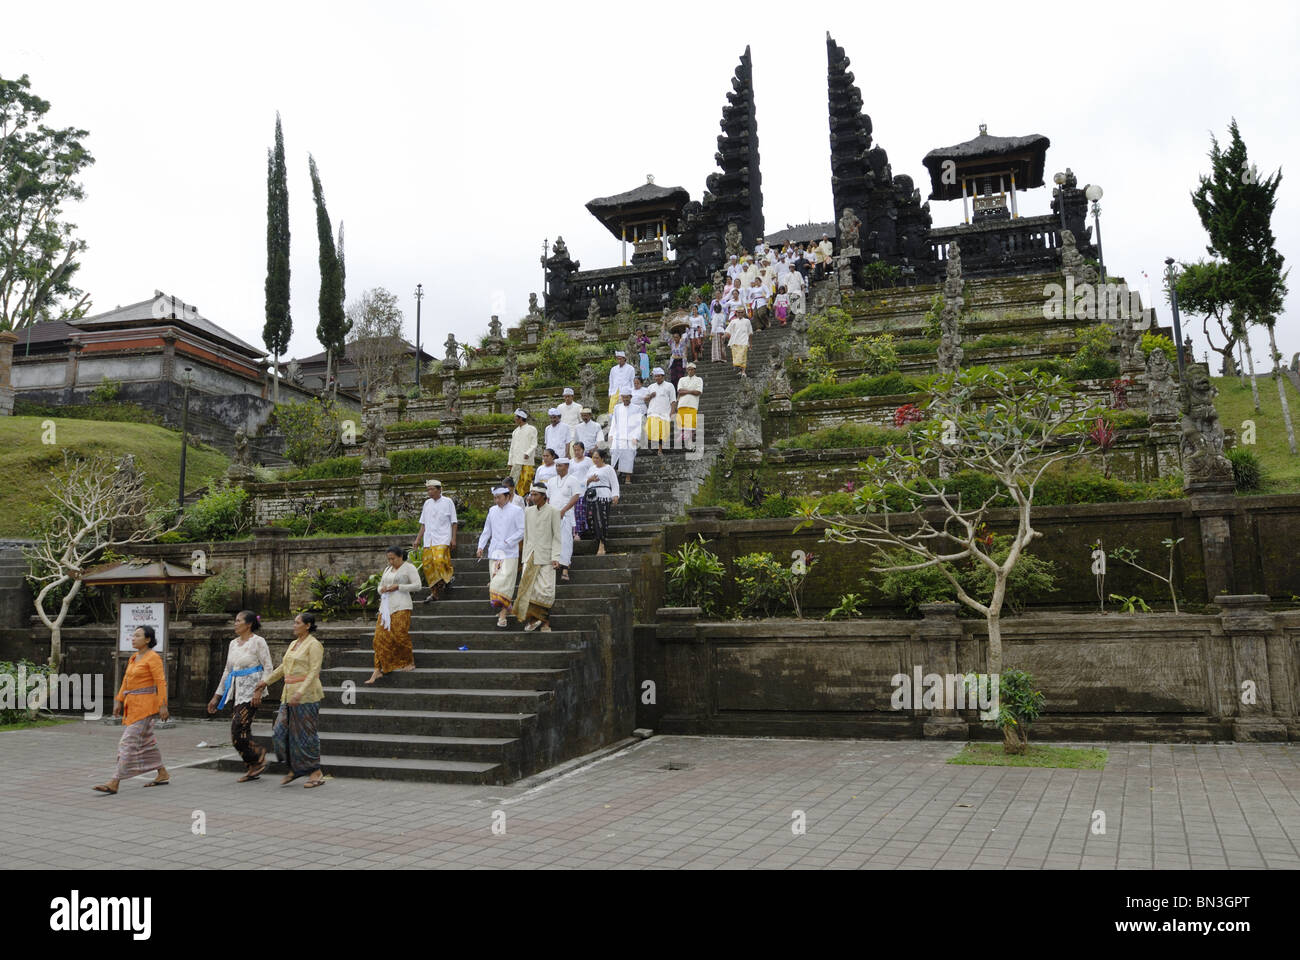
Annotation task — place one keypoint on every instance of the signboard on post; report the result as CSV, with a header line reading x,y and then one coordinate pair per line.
x,y
141,613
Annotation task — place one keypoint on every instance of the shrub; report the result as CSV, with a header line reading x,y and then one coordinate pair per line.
x,y
310,429
336,468
693,577
911,588
1126,419
836,504
889,384
876,353
332,595
815,368
1031,576
931,326
106,392
767,585
682,296
1158,341
213,594
223,513
878,275
18,712
1019,706
850,605
483,419
447,460
407,426
1247,472
777,506
992,341
833,331
1093,358
844,435
912,347
559,361
171,536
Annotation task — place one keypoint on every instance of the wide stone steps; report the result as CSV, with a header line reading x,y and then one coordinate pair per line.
x,y
452,699
484,635
522,678
470,659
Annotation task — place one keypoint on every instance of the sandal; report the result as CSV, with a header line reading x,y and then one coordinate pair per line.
x,y
159,783
104,788
250,775
290,779
502,623
317,782
532,625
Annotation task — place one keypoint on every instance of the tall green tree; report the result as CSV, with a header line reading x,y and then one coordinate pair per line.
x,y
332,330
1235,204
39,166
279,324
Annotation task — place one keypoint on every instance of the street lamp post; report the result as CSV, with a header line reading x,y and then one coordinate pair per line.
x,y
419,295
1171,274
185,423
1094,192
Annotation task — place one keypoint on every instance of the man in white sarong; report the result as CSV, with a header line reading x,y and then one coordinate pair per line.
x,y
543,533
503,531
568,491
625,425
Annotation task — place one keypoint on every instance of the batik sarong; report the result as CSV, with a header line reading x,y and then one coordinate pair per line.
x,y
137,751
739,355
393,645
524,478
295,736
580,518
717,347
598,517
436,564
241,733
536,592
501,588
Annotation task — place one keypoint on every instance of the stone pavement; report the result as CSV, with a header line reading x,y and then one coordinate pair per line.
x,y
731,803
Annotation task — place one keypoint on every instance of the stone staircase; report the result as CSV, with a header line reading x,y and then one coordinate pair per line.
x,y
16,606
489,706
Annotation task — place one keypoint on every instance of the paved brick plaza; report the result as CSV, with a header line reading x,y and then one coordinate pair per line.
x,y
868,804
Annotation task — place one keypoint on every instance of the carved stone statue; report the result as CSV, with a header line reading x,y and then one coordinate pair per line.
x,y
374,455
719,281
494,327
591,329
1072,262
749,425
295,372
452,361
950,352
798,343
849,226
734,241
1201,443
533,308
623,298
451,394
778,381
631,348
1162,392
241,448
588,381
510,368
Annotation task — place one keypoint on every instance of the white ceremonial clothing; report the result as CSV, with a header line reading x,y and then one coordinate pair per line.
x,y
503,531
437,517
557,438
570,413
739,330
620,378
662,402
523,445
689,383
589,434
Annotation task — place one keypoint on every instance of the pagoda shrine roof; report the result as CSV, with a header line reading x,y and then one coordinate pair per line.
x,y
986,153
645,201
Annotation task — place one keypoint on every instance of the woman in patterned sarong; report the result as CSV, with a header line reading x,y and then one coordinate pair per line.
x,y
295,736
393,624
144,695
247,657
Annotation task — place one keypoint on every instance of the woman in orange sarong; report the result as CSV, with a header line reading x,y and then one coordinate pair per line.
x,y
144,693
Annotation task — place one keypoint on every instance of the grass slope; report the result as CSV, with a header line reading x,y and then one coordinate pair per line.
x,y
27,464
1235,405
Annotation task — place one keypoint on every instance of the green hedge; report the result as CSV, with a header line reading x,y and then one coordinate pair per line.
x,y
114,412
908,348
447,460
844,435
887,384
406,426
335,468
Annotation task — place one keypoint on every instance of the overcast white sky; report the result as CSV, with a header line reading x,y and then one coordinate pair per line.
x,y
452,139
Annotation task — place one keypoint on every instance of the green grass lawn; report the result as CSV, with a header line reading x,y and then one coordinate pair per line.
x,y
992,755
1235,404
27,463
38,722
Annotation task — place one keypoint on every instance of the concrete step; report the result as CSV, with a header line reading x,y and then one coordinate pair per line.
x,y
422,613
407,746
501,678
426,722
364,658
452,699
461,624
484,635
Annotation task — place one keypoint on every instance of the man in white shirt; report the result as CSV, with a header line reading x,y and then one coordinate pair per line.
x,y
758,304
625,436
620,378
737,336
734,269
503,531
437,537
557,434
570,412
689,390
523,448
794,290
588,431
661,406
568,492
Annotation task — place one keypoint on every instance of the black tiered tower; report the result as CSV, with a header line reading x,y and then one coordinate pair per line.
x,y
735,195
894,221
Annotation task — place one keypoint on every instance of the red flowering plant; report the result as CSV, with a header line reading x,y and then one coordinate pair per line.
x,y
907,414
1103,435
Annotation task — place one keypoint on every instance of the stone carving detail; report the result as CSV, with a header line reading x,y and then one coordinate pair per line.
x,y
749,425
735,243
778,381
510,368
588,381
560,268
623,299
374,456
950,351
1201,443
295,373
494,327
719,281
241,448
798,342
591,329
494,342
631,348
451,361
1072,262
849,226
1162,392
451,394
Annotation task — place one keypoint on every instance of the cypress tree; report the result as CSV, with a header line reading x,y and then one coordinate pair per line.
x,y
279,324
332,329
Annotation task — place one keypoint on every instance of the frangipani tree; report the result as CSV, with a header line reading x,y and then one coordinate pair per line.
x,y
1012,426
99,506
